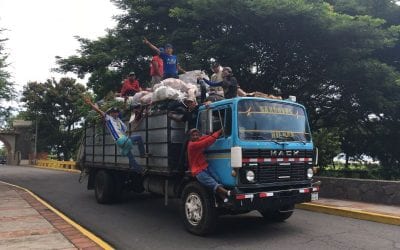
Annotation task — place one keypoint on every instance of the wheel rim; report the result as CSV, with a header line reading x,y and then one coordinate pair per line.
x,y
193,209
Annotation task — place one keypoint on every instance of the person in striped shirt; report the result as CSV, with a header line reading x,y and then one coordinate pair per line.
x,y
118,131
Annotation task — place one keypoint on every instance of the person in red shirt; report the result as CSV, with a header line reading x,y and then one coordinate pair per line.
x,y
198,164
156,68
130,86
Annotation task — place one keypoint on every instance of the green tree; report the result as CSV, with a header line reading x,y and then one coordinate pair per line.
x,y
335,57
6,92
58,108
328,143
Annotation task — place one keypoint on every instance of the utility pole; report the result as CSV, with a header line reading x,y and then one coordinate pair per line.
x,y
36,139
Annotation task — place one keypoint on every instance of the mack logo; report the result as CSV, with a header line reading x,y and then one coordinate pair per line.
x,y
285,153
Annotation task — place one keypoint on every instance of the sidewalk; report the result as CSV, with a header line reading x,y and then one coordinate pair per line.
x,y
353,209
27,223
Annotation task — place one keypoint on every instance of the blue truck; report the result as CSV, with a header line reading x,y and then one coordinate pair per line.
x,y
265,155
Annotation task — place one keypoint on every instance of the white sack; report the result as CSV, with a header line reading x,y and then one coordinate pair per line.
x,y
191,76
167,93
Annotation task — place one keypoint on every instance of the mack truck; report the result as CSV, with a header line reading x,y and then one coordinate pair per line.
x,y
265,156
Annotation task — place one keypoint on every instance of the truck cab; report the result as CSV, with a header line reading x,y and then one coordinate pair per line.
x,y
265,150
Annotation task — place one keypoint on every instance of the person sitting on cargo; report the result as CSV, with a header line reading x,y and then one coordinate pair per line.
x,y
198,164
130,86
118,130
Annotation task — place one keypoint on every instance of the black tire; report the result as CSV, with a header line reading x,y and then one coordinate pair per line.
x,y
206,214
280,215
104,187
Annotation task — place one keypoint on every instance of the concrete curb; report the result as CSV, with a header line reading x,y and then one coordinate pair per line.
x,y
78,227
351,213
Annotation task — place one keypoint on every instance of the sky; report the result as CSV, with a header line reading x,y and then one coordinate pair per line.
x,y
39,30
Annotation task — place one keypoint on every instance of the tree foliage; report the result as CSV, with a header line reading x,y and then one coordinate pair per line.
x,y
338,57
6,92
58,108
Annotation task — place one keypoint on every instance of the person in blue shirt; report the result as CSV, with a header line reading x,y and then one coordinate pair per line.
x,y
171,64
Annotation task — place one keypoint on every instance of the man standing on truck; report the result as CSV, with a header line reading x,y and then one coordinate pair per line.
x,y
171,64
229,83
156,68
198,164
118,130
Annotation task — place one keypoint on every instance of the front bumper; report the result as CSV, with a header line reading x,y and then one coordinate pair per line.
x,y
273,200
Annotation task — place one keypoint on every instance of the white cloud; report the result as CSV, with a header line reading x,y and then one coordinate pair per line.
x,y
42,29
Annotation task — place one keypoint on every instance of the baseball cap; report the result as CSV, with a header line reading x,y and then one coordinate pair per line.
x,y
193,130
215,64
229,69
168,45
132,73
112,110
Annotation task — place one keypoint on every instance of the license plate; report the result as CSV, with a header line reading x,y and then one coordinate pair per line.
x,y
314,196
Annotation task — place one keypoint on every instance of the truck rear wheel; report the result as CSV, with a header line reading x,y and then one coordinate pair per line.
x,y
197,209
280,215
104,187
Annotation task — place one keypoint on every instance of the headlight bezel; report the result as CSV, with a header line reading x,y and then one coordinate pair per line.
x,y
310,173
250,176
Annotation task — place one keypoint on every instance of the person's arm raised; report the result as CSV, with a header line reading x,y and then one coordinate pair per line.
x,y
151,46
89,102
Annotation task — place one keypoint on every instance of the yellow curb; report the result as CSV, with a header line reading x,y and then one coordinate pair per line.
x,y
55,168
81,229
356,214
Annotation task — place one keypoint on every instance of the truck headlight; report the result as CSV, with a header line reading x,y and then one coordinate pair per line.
x,y
310,173
250,176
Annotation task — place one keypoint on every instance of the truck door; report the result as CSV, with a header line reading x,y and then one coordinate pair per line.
x,y
218,154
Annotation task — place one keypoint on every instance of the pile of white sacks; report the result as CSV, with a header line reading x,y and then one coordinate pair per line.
x,y
184,88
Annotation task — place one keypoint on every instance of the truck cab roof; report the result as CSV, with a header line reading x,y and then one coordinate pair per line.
x,y
237,99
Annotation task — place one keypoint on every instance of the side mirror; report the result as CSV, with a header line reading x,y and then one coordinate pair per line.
x,y
316,157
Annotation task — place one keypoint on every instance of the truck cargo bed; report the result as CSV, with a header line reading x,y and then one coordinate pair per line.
x,y
163,138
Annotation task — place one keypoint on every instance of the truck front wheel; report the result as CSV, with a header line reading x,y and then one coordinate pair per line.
x,y
278,215
104,187
197,209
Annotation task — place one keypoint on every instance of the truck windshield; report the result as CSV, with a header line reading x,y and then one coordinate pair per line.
x,y
265,120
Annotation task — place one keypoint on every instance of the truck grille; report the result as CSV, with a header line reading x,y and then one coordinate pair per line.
x,y
263,153
274,172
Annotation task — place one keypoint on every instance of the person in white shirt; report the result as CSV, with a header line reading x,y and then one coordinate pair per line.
x,y
118,131
216,77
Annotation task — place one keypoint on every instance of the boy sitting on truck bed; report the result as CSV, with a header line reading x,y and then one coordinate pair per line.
x,y
118,130
198,164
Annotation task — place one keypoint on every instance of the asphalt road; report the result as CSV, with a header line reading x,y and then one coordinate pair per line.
x,y
143,222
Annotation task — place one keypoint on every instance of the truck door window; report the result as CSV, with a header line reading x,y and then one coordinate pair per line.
x,y
202,124
226,116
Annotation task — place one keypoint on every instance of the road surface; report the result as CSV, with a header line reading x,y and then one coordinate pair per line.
x,y
143,222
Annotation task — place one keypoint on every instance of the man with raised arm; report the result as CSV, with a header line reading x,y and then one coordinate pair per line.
x,y
198,164
118,130
170,61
